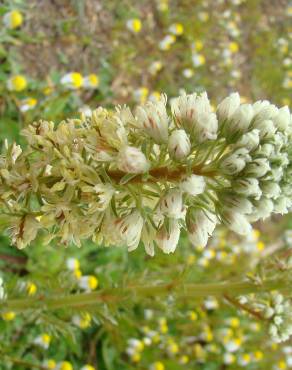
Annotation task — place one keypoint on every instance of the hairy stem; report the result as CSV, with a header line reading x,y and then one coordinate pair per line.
x,y
162,173
180,290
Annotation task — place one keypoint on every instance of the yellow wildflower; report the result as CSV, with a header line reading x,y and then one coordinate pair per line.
x,y
50,364
134,25
31,288
8,316
27,104
13,19
91,81
157,366
17,83
65,365
176,29
233,47
72,80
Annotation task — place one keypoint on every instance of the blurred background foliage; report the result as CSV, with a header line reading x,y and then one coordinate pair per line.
x,y
59,58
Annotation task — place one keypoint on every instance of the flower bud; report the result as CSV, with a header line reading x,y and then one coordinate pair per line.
x,y
248,186
267,129
283,119
258,167
240,120
194,113
129,229
266,150
235,162
263,209
271,189
179,145
250,140
282,205
228,106
264,110
236,203
193,185
171,205
268,312
132,160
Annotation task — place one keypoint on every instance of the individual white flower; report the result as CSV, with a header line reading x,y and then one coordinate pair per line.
x,y
167,237
153,118
128,229
193,185
179,145
171,205
194,113
104,193
237,222
250,140
235,162
15,153
132,160
201,225
227,107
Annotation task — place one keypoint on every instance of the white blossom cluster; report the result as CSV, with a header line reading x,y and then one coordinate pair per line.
x,y
123,177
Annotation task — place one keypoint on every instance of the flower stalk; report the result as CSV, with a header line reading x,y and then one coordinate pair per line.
x,y
180,290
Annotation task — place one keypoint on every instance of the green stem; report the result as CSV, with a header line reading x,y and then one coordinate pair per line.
x,y
24,364
181,291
